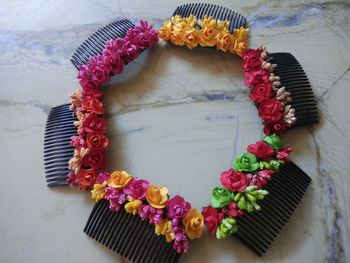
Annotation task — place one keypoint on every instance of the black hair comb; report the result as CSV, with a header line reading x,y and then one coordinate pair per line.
x,y
199,10
128,235
59,125
295,81
257,230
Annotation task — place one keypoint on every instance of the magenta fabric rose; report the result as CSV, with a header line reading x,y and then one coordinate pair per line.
x,y
177,207
114,62
99,71
146,31
89,94
233,180
113,47
137,188
85,79
102,177
255,77
129,51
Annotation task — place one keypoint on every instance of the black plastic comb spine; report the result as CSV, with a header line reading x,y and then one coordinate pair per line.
x,y
257,230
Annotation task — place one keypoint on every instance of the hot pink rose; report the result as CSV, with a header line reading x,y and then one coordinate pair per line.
x,y
252,59
260,178
261,150
93,124
114,62
113,47
77,142
147,32
85,79
102,177
270,110
99,72
233,180
89,94
137,189
255,77
177,207
284,154
261,92
129,51
212,218
95,159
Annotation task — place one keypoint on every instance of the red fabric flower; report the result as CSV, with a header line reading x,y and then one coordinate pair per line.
x,y
233,180
252,59
96,141
261,92
212,218
86,178
278,127
93,124
270,110
261,150
89,94
95,159
94,105
255,77
232,210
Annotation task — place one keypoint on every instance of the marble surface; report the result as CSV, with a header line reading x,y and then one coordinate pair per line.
x,y
176,117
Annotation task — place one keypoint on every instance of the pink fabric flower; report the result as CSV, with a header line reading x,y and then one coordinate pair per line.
x,y
181,243
137,188
255,77
89,94
99,71
144,28
284,154
115,197
232,210
177,207
77,142
150,213
85,78
260,178
129,51
114,62
72,180
102,177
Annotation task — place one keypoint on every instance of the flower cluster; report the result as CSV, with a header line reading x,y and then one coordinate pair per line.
x,y
207,33
242,185
174,218
91,141
271,99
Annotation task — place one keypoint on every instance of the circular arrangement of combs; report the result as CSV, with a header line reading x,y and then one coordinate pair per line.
x,y
140,221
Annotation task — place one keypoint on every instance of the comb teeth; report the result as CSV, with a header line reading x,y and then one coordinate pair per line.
x,y
257,230
94,45
128,235
296,82
57,150
199,10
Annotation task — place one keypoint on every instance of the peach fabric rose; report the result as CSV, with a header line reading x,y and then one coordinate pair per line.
x,y
225,41
119,179
194,224
157,196
191,38
165,30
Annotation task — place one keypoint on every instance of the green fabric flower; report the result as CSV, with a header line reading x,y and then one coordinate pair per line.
x,y
221,197
274,141
247,200
275,165
227,227
246,162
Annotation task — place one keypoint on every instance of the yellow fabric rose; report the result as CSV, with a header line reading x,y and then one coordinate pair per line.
x,y
157,196
191,38
98,192
165,30
165,228
133,207
119,179
207,36
194,224
240,48
225,41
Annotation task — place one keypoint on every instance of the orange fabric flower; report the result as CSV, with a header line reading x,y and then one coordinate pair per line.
x,y
194,224
157,196
119,179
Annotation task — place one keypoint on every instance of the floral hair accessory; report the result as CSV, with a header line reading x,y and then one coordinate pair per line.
x,y
208,32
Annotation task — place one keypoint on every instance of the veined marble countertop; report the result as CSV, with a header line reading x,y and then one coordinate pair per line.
x,y
176,117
